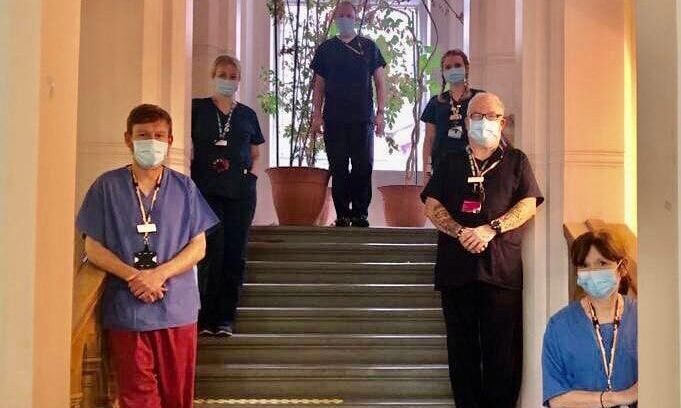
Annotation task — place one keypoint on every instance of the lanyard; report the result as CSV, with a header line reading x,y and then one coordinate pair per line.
x,y
608,368
455,106
146,215
480,173
353,49
222,131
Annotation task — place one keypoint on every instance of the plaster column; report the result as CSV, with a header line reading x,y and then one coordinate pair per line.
x,y
492,52
39,43
659,184
214,34
596,58
133,52
540,135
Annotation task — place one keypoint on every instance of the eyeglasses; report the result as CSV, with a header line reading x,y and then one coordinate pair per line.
x,y
488,116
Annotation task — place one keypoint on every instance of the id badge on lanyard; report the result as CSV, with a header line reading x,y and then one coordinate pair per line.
x,y
223,131
473,205
146,258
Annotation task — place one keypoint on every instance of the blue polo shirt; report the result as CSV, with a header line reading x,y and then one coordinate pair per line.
x,y
110,213
571,358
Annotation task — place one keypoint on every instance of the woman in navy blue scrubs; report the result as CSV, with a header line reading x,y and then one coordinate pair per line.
x,y
225,137
590,347
445,113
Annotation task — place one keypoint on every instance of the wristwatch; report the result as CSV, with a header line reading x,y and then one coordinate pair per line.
x,y
496,226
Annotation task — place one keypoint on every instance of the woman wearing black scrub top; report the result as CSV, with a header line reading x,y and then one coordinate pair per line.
x,y
444,115
225,137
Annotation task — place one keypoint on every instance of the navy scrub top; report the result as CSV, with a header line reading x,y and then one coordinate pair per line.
x,y
437,112
237,182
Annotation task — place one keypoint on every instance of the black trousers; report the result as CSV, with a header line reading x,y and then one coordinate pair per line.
x,y
484,344
222,271
350,143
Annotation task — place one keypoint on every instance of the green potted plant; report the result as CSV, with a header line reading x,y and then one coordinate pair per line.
x,y
401,202
299,188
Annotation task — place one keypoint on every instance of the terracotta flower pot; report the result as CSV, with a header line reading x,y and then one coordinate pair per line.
x,y
328,213
402,206
298,193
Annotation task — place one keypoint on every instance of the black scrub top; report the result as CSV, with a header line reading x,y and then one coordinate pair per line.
x,y
237,182
347,70
438,112
511,181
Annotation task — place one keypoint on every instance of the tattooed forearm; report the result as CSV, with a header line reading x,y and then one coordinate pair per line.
x,y
517,216
441,218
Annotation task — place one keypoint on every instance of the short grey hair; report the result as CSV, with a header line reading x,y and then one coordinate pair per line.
x,y
342,2
486,95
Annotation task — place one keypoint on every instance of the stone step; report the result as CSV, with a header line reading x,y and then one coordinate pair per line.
x,y
340,252
338,295
326,403
277,320
343,235
323,381
323,349
339,272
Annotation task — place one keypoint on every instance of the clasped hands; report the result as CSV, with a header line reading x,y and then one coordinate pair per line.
x,y
475,240
148,285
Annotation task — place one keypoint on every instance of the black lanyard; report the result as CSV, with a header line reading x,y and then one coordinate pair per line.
x,y
608,368
478,172
359,51
146,215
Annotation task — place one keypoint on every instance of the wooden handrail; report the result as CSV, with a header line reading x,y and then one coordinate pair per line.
x,y
621,231
87,290
89,369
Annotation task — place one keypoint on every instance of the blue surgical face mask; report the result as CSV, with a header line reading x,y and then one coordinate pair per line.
x,y
226,87
598,283
485,132
455,75
149,153
346,25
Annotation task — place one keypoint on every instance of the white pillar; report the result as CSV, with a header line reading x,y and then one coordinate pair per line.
x,y
493,50
659,185
132,52
540,136
39,43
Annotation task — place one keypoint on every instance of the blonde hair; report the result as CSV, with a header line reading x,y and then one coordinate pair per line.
x,y
225,60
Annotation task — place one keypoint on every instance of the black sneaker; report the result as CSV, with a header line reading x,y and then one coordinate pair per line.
x,y
360,222
224,331
342,222
203,332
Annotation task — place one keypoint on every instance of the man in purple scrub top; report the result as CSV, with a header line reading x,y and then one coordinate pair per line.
x,y
145,224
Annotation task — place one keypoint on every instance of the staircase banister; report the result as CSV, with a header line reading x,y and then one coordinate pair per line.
x,y
87,290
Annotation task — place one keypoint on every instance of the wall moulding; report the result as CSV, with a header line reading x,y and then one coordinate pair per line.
x,y
602,158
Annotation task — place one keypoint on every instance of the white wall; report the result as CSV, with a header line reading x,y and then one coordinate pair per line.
x,y
148,60
659,187
38,93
